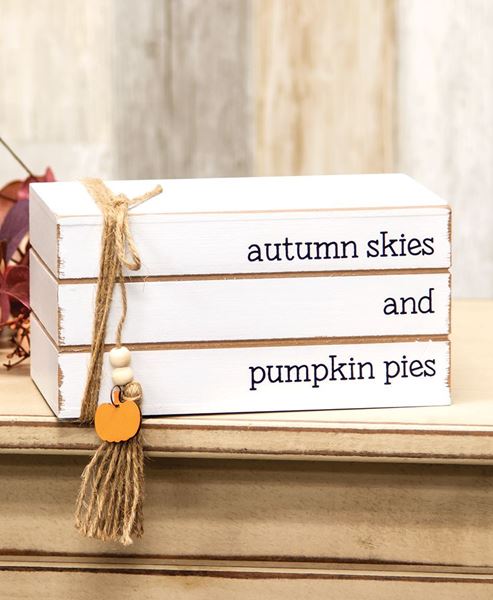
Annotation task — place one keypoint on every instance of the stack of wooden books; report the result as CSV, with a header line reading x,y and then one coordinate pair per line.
x,y
255,294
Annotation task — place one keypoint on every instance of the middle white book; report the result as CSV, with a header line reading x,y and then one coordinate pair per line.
x,y
261,307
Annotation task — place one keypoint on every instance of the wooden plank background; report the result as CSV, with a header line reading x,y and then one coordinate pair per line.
x,y
323,80
184,88
444,124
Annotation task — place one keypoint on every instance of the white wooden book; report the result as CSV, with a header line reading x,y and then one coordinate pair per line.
x,y
251,225
256,294
249,308
257,378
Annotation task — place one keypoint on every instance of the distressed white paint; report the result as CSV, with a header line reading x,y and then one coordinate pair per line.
x,y
215,380
190,247
207,226
445,122
242,309
246,194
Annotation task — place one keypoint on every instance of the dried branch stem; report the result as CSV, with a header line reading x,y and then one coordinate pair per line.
x,y
16,157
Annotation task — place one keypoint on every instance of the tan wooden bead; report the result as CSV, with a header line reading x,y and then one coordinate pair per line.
x,y
122,375
120,357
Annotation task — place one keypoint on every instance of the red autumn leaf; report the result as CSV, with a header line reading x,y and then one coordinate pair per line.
x,y
19,190
14,210
15,227
14,260
8,197
14,287
23,191
10,191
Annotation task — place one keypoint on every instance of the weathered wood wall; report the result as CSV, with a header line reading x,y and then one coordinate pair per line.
x,y
323,81
185,88
445,122
127,89
56,103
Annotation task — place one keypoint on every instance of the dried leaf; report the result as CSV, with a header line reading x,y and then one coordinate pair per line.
x,y
17,190
14,260
15,227
8,197
14,286
20,339
23,192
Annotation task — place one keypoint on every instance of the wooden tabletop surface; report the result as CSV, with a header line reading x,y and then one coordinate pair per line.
x,y
460,433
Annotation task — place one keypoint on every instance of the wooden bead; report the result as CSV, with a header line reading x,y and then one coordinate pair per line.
x,y
120,357
122,375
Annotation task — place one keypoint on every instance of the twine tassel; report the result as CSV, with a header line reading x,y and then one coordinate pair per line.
x,y
109,504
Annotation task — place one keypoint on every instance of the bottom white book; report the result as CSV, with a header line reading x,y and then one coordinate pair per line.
x,y
257,378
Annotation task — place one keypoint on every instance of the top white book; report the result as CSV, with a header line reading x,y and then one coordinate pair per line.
x,y
250,225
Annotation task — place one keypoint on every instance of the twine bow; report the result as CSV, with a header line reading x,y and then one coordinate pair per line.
x,y
109,504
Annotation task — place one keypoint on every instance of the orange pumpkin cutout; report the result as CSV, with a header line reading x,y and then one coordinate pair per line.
x,y
117,421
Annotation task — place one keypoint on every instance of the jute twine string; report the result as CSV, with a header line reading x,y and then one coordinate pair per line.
x,y
115,242
109,504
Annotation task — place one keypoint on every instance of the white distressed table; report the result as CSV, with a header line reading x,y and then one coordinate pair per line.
x,y
345,504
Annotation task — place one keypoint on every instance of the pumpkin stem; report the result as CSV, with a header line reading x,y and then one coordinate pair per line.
x,y
116,394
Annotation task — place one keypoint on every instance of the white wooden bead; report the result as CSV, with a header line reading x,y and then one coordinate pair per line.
x,y
122,375
120,357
